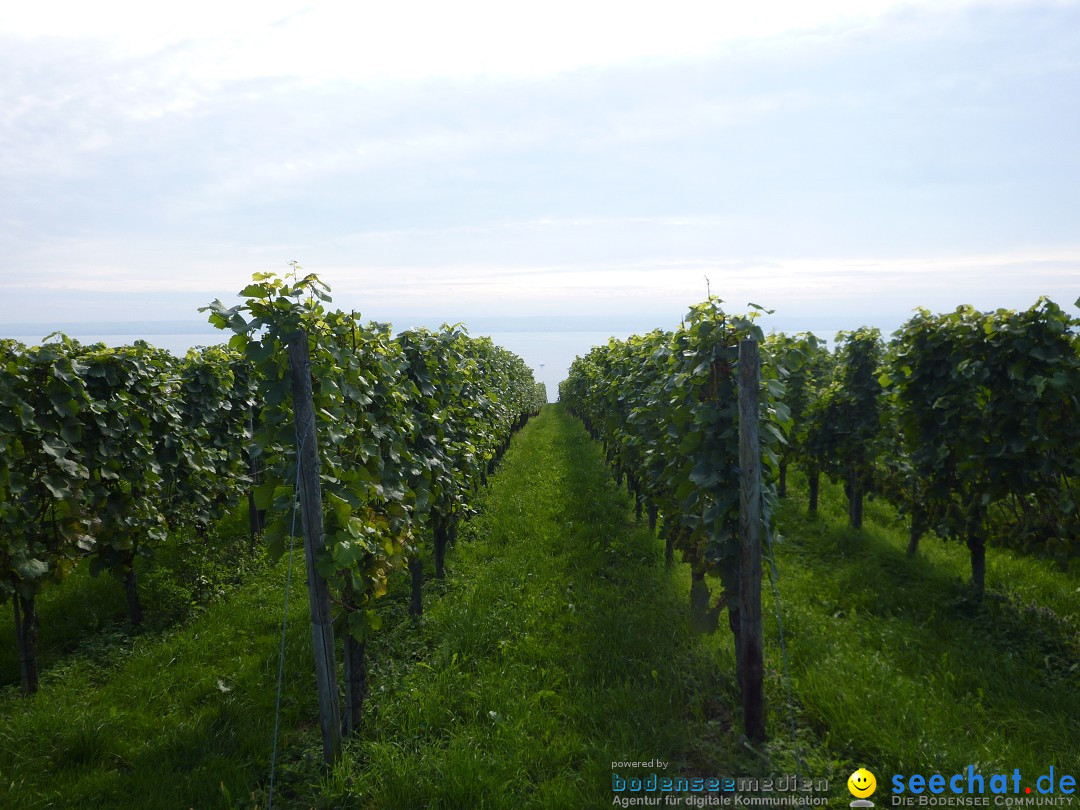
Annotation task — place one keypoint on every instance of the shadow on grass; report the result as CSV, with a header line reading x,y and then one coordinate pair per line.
x,y
85,617
663,692
989,666
181,716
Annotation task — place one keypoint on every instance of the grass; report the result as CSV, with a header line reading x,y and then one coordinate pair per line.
x,y
896,666
560,647
86,617
557,645
175,716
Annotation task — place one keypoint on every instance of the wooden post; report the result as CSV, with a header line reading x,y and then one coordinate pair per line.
x,y
26,630
355,674
854,489
918,523
322,630
750,530
416,574
254,514
439,535
355,683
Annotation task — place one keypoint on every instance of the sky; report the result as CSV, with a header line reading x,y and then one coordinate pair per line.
x,y
536,167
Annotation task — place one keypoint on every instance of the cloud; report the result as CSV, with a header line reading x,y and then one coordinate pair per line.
x,y
588,154
414,39
832,285
843,292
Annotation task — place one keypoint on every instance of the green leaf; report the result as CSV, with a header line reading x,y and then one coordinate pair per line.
x,y
264,495
341,508
275,536
31,569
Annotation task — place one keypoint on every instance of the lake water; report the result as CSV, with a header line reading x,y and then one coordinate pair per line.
x,y
549,353
547,343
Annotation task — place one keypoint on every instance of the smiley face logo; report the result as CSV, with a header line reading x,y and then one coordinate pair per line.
x,y
861,783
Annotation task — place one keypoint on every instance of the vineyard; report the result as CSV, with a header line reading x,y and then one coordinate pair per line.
x,y
969,422
107,451
375,450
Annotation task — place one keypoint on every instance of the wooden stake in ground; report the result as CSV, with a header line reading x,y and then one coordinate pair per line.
x,y
322,630
750,530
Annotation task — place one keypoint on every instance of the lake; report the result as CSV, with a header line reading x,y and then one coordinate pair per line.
x,y
548,352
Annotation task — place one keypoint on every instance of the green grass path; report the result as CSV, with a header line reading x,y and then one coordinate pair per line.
x,y
560,646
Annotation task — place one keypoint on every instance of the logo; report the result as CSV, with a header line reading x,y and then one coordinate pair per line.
x,y
861,784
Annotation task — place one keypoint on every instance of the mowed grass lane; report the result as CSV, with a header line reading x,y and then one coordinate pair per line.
x,y
561,645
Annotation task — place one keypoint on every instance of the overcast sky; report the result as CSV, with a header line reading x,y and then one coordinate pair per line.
x,y
827,158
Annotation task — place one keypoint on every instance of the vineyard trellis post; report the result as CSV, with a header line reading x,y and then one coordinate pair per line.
x,y
255,515
322,630
750,657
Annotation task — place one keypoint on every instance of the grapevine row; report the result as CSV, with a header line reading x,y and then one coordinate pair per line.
x,y
968,421
106,451
666,407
